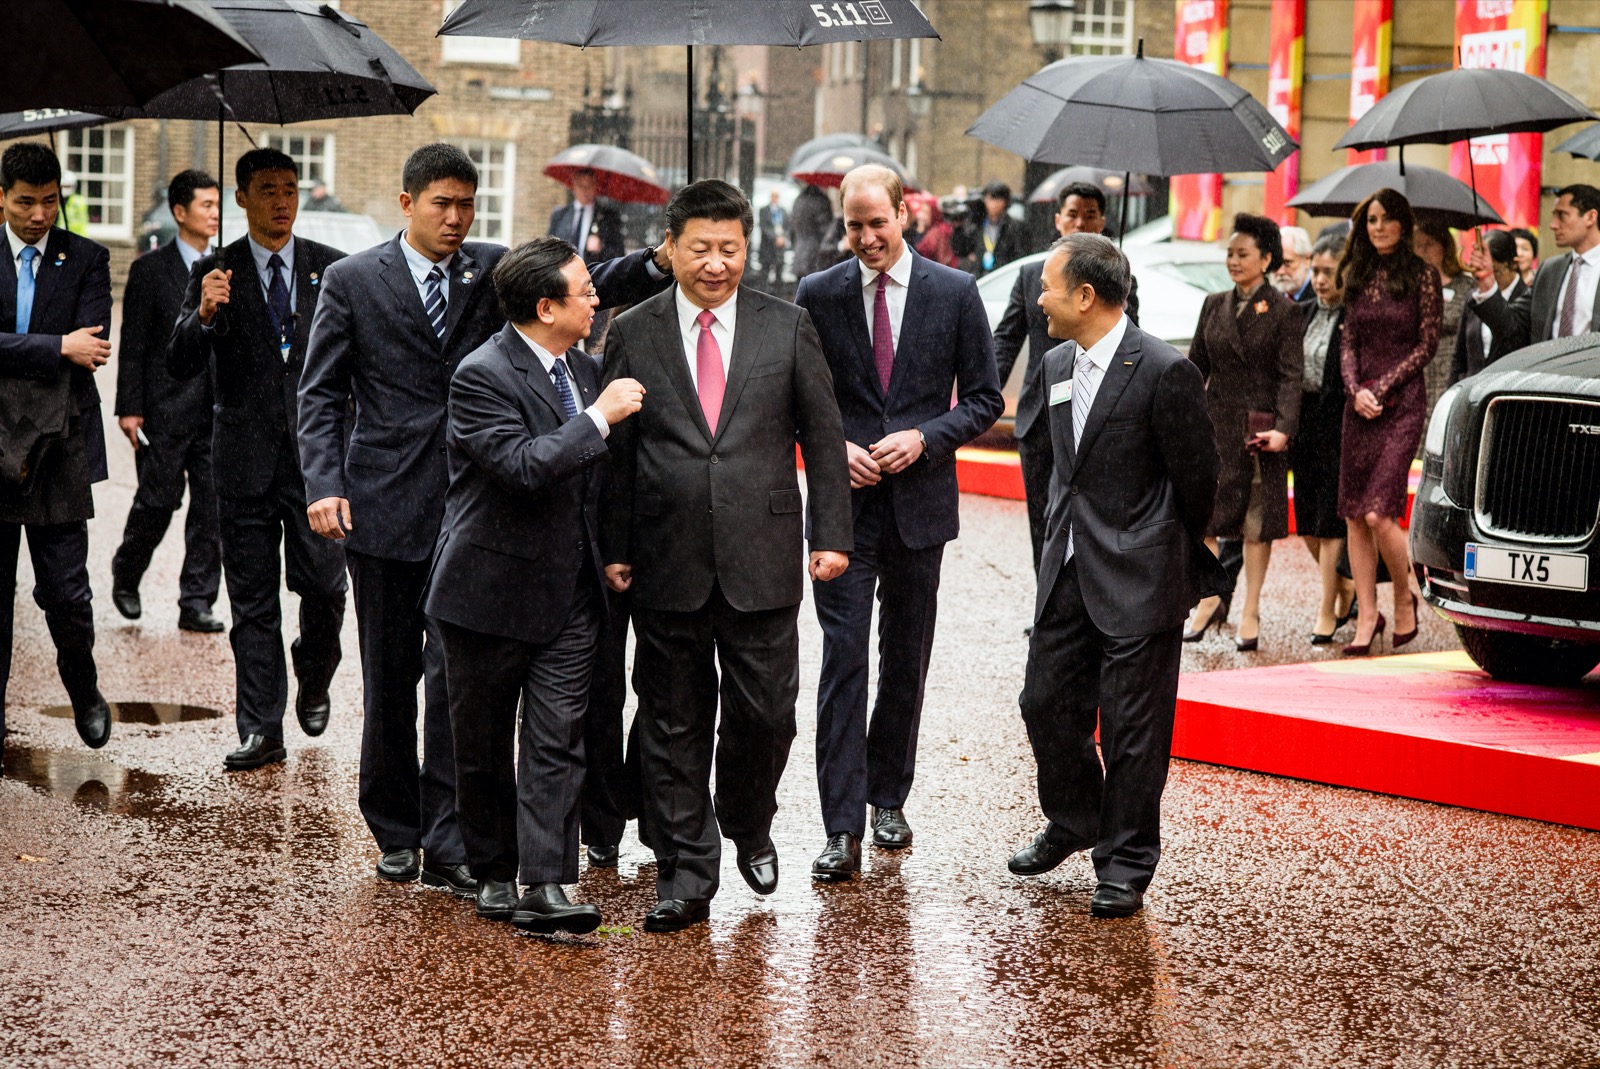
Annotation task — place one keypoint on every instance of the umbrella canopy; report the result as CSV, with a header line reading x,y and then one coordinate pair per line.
x,y
587,23
620,175
45,121
1463,103
817,144
110,53
317,63
1585,144
1132,114
1111,183
828,166
1429,191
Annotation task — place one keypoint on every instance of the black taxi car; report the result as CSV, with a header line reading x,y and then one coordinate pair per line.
x,y
1503,531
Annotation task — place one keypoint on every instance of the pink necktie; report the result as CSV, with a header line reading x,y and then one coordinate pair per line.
x,y
710,379
882,334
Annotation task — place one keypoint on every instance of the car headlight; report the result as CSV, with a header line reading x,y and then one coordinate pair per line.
x,y
1433,444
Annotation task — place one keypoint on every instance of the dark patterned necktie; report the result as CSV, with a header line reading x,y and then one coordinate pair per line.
x,y
277,295
436,305
558,371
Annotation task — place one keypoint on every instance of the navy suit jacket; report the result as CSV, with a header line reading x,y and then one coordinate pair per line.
x,y
151,304
944,345
1137,491
603,223
523,495
72,290
371,341
254,417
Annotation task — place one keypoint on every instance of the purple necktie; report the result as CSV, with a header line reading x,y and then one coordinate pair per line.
x,y
882,335
710,379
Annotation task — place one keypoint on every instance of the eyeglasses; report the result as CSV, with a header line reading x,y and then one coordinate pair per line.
x,y
590,294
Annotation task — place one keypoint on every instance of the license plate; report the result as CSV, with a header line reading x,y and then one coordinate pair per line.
x,y
1566,571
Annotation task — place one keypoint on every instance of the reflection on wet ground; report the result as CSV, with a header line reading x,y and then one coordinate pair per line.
x,y
144,712
156,910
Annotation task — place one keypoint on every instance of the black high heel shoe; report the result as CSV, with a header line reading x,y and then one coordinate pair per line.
x,y
1319,639
1218,617
1361,650
1349,614
1246,645
1400,639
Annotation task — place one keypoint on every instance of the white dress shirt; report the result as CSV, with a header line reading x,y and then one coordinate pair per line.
x,y
899,277
1505,295
548,360
586,217
420,265
17,245
191,255
721,329
1587,281
262,256
1099,355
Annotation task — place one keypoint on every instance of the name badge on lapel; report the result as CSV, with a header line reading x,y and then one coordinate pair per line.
x,y
1060,392
284,347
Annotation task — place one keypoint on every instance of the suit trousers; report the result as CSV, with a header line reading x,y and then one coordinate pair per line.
x,y
162,466
675,674
860,763
405,805
522,807
1038,459
610,784
60,553
253,528
1075,671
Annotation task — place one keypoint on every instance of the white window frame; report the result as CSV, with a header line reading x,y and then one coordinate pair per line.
x,y
1093,28
478,51
506,190
282,140
74,160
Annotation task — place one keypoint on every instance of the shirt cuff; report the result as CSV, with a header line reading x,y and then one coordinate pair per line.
x,y
650,266
1479,296
599,421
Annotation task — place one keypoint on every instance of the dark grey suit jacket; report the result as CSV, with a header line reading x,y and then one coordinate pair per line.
x,y
1469,357
689,510
1534,321
522,495
151,304
1137,491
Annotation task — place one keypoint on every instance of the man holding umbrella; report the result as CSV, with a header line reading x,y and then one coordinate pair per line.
x,y
393,324
593,228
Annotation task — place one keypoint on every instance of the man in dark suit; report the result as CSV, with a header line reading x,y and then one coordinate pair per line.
x,y
167,420
517,580
992,239
900,332
775,225
247,316
594,228
55,312
393,324
1080,209
1478,345
1130,496
1566,291
703,522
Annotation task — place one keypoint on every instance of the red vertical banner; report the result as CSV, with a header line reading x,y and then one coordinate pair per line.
x,y
1507,168
1202,41
1370,41
1286,69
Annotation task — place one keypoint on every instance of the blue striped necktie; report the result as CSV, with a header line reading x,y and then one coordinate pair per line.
x,y
435,304
558,371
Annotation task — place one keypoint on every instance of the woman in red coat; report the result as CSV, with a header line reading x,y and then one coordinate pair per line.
x,y
1393,307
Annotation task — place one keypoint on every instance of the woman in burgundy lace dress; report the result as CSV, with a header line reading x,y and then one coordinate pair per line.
x,y
1393,307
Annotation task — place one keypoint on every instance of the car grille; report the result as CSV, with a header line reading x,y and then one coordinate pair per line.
x,y
1539,469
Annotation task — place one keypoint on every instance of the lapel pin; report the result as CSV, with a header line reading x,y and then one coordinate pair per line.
x,y
466,277
1261,308
61,258
1127,363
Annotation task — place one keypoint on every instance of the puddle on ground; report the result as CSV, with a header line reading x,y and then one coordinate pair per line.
x,y
145,712
81,777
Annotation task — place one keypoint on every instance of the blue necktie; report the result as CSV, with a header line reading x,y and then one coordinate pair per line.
x,y
277,296
25,289
435,306
564,388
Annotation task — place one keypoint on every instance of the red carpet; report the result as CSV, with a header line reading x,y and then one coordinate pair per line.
x,y
1427,725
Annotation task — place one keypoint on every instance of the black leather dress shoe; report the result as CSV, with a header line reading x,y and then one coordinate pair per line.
x,y
399,866
126,599
93,719
759,867
199,620
457,879
1115,900
839,860
676,914
497,899
545,910
255,751
602,857
312,709
1041,855
889,828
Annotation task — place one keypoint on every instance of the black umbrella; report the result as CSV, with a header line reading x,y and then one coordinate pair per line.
x,y
1132,114
1111,183
1585,144
1463,103
1430,192
817,144
35,121
828,166
588,23
110,53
